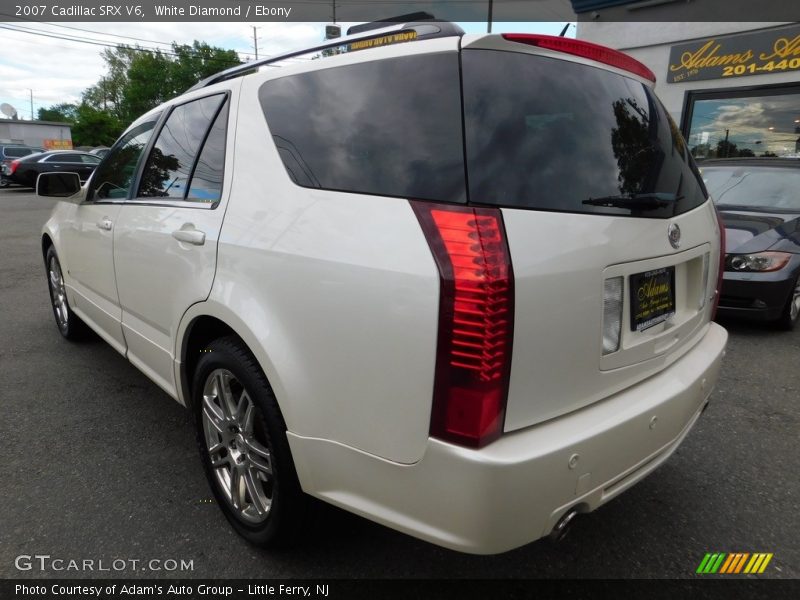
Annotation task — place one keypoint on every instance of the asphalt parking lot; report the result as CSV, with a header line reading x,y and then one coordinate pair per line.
x,y
101,464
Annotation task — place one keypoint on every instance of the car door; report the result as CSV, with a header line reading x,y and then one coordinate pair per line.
x,y
87,238
165,241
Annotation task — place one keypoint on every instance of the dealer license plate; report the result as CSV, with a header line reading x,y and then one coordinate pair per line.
x,y
652,297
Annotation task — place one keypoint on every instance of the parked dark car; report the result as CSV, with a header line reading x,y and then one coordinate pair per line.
x,y
759,200
24,171
10,152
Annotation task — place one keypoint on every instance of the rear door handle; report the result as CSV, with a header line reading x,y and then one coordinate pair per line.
x,y
190,235
105,223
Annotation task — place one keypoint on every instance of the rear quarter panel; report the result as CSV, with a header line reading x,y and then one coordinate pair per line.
x,y
338,294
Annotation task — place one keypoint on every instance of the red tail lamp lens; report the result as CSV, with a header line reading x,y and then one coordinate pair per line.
x,y
476,321
601,54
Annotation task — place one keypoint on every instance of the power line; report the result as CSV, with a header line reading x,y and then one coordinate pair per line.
x,y
94,42
115,35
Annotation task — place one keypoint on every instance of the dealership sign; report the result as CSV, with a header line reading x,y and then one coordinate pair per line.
x,y
774,51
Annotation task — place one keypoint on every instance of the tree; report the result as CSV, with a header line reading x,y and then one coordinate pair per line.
x,y
726,149
93,127
138,80
61,113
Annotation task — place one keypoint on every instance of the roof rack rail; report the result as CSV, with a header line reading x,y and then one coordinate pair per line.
x,y
427,29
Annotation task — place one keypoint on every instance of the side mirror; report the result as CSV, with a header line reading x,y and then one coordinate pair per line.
x,y
58,185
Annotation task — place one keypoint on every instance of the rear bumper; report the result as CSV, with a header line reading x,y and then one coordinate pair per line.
x,y
516,489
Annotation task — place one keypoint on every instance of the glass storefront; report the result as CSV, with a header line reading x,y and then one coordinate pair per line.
x,y
753,122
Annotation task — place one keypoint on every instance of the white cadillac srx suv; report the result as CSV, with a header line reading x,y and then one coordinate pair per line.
x,y
462,285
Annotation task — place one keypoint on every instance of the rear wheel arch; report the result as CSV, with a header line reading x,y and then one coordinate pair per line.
x,y
200,332
47,241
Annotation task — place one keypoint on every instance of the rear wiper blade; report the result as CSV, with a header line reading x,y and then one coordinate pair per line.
x,y
650,201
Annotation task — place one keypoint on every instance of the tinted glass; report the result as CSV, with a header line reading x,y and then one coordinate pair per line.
x,y
389,127
65,158
756,187
113,178
206,184
169,166
90,159
549,134
17,152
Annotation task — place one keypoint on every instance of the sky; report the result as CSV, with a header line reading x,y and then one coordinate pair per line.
x,y
56,70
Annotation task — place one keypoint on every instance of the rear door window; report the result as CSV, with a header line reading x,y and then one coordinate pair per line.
x,y
389,127
549,134
172,159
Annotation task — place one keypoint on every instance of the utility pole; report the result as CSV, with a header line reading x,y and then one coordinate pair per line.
x,y
33,118
489,17
255,40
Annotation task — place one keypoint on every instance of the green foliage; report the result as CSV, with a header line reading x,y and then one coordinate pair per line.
x,y
93,127
61,113
135,82
140,80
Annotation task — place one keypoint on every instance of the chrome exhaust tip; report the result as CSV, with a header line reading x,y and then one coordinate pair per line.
x,y
562,527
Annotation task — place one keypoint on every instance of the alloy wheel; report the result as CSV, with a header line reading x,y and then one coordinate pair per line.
x,y
58,293
240,459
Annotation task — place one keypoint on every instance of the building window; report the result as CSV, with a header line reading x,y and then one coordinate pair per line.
x,y
730,123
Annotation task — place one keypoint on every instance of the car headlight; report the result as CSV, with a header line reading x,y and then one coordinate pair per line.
x,y
760,262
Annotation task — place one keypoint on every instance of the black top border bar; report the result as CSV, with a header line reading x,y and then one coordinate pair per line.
x,y
356,11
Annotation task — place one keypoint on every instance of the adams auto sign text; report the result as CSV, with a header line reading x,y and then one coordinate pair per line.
x,y
773,51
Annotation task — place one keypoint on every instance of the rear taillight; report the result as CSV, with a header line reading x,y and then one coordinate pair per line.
x,y
476,321
607,56
718,291
13,167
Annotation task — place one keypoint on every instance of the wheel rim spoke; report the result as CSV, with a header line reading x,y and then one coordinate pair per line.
x,y
240,463
212,414
255,494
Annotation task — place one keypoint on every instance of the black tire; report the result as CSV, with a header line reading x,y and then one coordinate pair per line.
x,y
790,315
68,323
286,502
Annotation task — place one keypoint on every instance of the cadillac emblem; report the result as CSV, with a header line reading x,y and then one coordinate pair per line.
x,y
674,235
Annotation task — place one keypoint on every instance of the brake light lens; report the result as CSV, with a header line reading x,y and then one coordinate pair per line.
x,y
607,56
721,271
476,321
612,314
13,167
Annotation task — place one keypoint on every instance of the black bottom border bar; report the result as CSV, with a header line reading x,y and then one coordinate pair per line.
x,y
406,589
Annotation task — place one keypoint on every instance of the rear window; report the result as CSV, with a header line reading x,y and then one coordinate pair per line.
x,y
389,127
549,134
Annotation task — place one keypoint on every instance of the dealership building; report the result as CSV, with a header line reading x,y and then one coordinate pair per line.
x,y
734,88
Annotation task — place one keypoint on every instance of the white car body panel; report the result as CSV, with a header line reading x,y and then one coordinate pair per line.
x,y
515,490
560,263
89,260
158,276
337,296
331,281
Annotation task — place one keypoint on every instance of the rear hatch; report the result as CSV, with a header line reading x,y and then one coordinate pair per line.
x,y
613,243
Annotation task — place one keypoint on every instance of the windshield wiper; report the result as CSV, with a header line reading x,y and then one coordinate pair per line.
x,y
651,201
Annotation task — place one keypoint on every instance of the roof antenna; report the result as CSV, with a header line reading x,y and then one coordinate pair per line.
x,y
564,31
